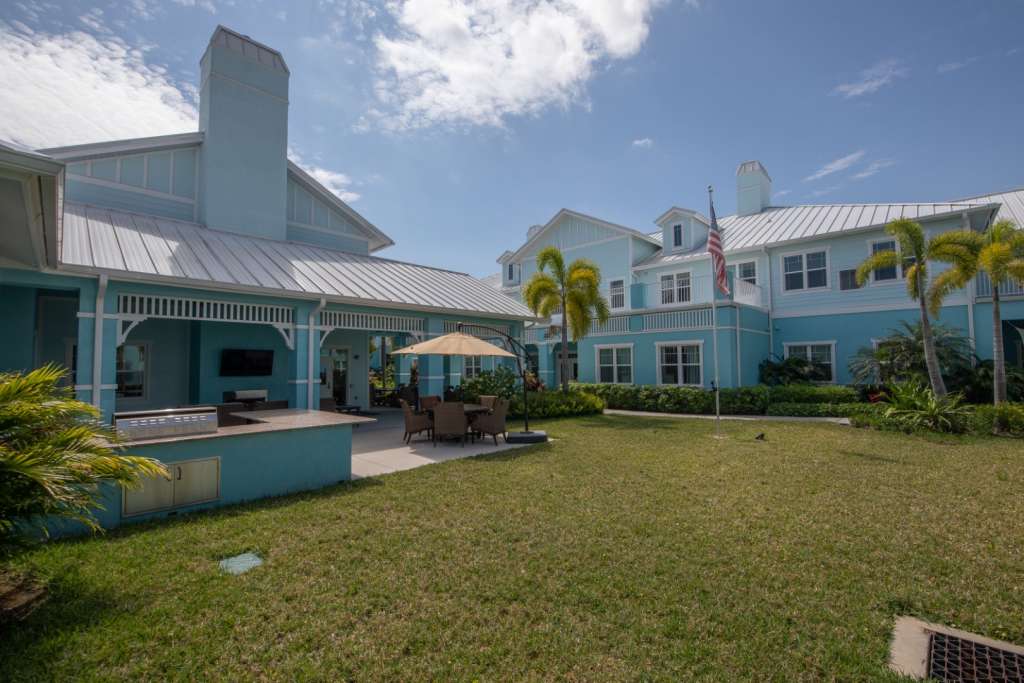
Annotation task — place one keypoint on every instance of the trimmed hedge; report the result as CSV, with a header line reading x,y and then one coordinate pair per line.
x,y
666,399
556,404
813,393
1008,419
824,409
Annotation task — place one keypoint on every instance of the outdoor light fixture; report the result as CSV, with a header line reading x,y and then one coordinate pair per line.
x,y
525,436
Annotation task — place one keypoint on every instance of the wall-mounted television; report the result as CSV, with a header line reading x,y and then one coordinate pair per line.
x,y
246,363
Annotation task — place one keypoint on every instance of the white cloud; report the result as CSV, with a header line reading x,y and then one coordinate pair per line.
x,y
873,78
825,190
840,164
74,88
873,168
955,66
1012,51
781,193
336,182
204,4
643,143
478,62
94,19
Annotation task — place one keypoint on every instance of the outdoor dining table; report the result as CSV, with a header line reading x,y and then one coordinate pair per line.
x,y
471,409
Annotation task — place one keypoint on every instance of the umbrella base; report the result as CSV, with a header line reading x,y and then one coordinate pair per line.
x,y
526,437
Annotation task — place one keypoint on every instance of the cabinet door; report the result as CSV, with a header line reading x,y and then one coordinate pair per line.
x,y
157,493
196,481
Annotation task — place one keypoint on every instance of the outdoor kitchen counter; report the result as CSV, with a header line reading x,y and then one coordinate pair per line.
x,y
264,421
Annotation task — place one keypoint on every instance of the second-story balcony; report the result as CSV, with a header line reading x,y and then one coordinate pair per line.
x,y
682,289
983,287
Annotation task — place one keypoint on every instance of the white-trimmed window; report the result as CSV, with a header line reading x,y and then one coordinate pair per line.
x,y
675,288
472,366
821,355
680,363
614,363
889,273
131,370
808,270
617,293
677,235
746,271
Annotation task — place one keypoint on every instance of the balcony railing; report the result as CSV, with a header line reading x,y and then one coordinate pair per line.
x,y
983,286
696,291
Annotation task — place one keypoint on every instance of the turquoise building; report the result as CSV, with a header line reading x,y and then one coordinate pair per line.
x,y
188,269
792,288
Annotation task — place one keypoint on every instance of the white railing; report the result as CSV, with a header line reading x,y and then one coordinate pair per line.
x,y
372,322
614,325
691,319
983,286
534,335
180,308
696,291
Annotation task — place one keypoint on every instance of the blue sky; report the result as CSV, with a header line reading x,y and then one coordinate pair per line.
x,y
454,126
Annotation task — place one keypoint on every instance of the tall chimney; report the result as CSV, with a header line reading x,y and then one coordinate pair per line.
x,y
243,113
753,188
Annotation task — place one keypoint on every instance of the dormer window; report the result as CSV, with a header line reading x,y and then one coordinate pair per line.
x,y
677,235
511,272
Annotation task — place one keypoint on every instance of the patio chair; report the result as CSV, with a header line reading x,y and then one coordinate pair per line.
x,y
450,420
428,402
488,401
493,423
415,423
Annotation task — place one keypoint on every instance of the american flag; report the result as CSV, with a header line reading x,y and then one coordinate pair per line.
x,y
715,249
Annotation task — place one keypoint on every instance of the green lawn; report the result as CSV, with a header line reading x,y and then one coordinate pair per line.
x,y
627,549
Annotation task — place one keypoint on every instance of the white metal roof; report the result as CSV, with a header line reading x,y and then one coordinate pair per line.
x,y
780,225
247,47
162,250
1011,204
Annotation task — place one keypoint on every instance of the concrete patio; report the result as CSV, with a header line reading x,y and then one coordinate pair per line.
x,y
377,447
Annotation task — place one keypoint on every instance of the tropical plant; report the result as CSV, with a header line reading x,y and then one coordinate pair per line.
x,y
977,382
792,370
54,454
915,406
999,252
501,382
573,290
915,251
900,355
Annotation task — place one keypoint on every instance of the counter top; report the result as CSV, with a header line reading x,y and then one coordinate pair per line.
x,y
262,421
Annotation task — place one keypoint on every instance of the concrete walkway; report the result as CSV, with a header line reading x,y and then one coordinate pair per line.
x,y
743,418
377,447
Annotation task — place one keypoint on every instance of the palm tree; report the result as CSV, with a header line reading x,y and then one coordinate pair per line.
x,y
915,250
54,453
999,252
575,291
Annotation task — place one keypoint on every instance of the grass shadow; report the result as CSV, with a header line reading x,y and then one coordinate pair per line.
x,y
872,457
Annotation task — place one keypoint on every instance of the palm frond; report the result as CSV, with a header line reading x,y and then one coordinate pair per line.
x,y
550,258
878,260
542,294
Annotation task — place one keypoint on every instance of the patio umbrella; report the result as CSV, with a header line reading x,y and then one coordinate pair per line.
x,y
454,344
461,344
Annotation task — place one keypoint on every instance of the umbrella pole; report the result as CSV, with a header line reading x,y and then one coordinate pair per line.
x,y
525,436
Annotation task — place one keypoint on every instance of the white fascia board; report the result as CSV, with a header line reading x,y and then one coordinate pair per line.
x,y
603,223
379,239
117,147
690,213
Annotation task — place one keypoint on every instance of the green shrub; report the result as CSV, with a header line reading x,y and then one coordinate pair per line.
x,y
788,371
670,399
813,393
1007,419
916,407
502,382
824,409
556,404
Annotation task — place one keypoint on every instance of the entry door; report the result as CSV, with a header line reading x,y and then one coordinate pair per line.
x,y
574,366
334,374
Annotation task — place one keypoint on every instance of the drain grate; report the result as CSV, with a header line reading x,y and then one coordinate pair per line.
x,y
957,659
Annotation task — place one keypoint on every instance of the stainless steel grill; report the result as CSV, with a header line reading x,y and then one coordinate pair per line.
x,y
156,424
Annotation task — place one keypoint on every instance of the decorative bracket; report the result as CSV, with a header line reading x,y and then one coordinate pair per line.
x,y
288,334
125,325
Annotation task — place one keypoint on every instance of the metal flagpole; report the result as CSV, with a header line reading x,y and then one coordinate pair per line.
x,y
714,338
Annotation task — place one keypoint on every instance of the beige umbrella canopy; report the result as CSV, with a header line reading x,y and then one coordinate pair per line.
x,y
454,344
